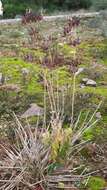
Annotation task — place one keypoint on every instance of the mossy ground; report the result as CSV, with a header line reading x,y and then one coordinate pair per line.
x,y
93,50
94,59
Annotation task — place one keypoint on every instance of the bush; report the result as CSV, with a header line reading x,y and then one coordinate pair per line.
x,y
11,10
100,4
78,4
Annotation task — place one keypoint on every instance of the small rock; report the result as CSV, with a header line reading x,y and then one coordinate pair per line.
x,y
25,71
2,79
10,87
84,80
98,115
91,83
80,70
34,110
82,86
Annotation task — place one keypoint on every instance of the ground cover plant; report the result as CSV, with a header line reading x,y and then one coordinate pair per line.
x,y
58,68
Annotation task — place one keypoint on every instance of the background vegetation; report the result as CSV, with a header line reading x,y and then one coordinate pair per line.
x,y
13,8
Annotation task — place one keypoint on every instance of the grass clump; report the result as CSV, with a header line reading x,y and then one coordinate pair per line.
x,y
40,156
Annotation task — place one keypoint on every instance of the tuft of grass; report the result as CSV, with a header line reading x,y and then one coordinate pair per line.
x,y
38,155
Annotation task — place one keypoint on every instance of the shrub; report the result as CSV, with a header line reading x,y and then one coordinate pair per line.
x,y
78,4
11,10
99,4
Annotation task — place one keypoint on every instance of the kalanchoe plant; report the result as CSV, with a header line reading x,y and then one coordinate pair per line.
x,y
71,24
31,17
33,33
54,54
72,39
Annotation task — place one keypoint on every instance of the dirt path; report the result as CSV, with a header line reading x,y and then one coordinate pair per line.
x,y
49,18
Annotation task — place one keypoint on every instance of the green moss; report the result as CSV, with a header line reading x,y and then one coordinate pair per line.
x,y
104,61
62,76
11,68
34,87
67,50
96,183
105,119
88,135
93,133
95,48
39,54
101,91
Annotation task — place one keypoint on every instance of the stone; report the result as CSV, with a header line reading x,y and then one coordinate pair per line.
x,y
84,80
10,87
2,79
88,82
34,110
25,71
82,86
91,83
98,115
80,70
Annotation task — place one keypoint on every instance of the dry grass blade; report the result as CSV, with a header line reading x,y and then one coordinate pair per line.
x,y
25,163
28,165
